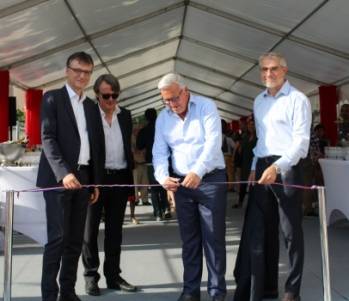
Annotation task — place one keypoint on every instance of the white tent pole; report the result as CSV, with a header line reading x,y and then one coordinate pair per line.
x,y
324,245
8,245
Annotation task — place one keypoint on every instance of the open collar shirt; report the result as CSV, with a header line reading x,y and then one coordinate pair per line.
x,y
77,103
114,145
194,143
282,126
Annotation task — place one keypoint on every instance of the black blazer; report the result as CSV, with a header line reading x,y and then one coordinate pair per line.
x,y
125,122
61,141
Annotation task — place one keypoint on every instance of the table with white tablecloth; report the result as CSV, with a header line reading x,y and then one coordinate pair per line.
x,y
29,208
336,177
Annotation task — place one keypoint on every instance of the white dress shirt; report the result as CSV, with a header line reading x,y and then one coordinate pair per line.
x,y
114,145
194,143
282,126
78,108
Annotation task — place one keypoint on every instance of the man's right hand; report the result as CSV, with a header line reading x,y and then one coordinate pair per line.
x,y
252,178
71,182
171,184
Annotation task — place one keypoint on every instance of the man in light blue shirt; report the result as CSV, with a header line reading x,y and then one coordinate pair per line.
x,y
188,132
283,118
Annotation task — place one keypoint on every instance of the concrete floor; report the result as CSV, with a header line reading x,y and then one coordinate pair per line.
x,y
151,259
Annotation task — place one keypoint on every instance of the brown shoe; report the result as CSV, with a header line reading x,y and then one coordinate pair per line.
x,y
290,297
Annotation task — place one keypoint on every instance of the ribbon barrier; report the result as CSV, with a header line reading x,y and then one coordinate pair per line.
x,y
9,210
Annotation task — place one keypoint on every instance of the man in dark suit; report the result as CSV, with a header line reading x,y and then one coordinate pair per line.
x,y
69,158
116,124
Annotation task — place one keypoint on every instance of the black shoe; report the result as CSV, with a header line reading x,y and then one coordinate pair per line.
x,y
167,214
68,297
187,297
121,284
92,289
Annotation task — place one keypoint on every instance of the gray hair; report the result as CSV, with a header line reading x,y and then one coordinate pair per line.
x,y
273,55
170,79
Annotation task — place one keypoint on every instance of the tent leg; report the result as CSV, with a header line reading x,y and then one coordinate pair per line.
x,y
8,244
324,245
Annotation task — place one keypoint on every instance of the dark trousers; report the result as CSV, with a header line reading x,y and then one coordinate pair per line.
x,y
66,215
258,262
201,219
158,194
114,201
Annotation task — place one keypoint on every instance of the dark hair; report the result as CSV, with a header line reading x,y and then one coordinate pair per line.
x,y
81,57
110,79
224,125
319,126
150,114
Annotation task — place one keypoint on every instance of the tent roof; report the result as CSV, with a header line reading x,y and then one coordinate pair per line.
x,y
214,44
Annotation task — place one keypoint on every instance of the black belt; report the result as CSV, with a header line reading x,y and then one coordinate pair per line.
x,y
269,159
212,172
114,171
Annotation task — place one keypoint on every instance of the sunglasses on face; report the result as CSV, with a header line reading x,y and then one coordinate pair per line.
x,y
114,96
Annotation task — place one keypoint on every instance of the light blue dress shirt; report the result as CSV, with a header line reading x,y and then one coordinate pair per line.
x,y
283,126
194,143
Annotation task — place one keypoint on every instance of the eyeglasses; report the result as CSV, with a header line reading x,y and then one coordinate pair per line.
x,y
114,96
271,69
80,71
173,99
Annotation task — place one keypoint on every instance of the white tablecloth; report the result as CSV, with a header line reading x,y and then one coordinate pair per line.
x,y
336,176
29,211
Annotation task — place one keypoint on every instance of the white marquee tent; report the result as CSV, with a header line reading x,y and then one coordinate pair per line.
x,y
214,44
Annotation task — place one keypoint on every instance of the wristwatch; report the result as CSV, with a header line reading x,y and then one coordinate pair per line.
x,y
277,169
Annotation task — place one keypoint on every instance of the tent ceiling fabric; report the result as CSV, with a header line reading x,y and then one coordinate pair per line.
x,y
214,44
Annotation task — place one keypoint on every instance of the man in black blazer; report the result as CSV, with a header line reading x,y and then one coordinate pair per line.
x,y
116,125
70,158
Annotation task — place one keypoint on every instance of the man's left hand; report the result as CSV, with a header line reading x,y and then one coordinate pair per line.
x,y
191,180
269,176
94,196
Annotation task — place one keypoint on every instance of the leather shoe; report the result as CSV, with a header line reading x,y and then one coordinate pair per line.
x,y
187,297
68,297
290,297
92,289
218,298
121,284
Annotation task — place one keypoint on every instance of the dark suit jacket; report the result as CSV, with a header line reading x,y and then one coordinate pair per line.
x,y
61,140
125,122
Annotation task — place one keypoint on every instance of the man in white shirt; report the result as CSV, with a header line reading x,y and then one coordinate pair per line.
x,y
282,118
115,125
70,158
189,130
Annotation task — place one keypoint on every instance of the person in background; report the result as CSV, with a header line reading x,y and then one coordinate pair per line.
x,y
245,149
311,169
189,131
70,157
228,148
343,124
145,141
115,125
140,172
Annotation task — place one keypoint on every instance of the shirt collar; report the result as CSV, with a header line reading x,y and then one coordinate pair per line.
x,y
72,94
115,113
285,90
